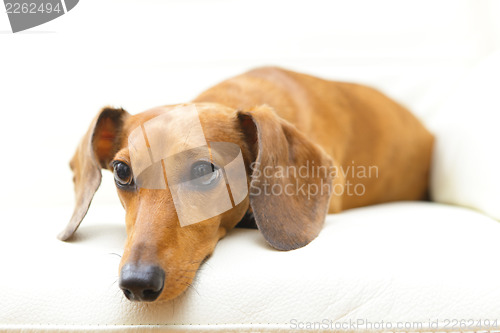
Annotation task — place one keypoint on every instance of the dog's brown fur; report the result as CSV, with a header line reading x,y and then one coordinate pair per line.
x,y
278,118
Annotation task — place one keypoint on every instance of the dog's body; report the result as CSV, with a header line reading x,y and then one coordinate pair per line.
x,y
352,123
278,118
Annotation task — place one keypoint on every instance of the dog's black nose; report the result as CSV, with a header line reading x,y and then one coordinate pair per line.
x,y
142,282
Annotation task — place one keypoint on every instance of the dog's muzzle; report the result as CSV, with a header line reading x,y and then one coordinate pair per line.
x,y
142,282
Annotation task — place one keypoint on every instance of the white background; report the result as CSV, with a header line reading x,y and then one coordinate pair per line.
x,y
140,54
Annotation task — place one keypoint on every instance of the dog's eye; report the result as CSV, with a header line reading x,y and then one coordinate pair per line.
x,y
204,173
122,173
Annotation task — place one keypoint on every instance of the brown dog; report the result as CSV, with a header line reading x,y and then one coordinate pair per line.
x,y
279,119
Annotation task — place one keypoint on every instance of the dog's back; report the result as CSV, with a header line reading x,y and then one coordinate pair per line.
x,y
382,152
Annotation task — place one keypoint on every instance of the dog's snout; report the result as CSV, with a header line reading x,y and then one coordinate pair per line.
x,y
142,282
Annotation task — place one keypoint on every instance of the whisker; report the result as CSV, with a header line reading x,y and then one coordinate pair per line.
x,y
189,285
112,284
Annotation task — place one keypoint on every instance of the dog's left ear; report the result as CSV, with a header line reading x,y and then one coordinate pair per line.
x,y
95,151
291,181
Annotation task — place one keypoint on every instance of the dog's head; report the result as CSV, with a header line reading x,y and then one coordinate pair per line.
x,y
184,190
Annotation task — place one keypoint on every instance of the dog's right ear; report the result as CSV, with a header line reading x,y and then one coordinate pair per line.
x,y
95,151
292,217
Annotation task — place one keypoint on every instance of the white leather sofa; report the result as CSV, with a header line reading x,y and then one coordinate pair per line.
x,y
406,266
398,267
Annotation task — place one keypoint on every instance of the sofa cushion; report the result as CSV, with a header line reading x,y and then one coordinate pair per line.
x,y
467,156
409,263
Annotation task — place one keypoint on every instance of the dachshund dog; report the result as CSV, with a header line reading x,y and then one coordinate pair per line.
x,y
367,149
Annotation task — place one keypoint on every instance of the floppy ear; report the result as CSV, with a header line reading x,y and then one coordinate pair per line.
x,y
291,181
95,151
